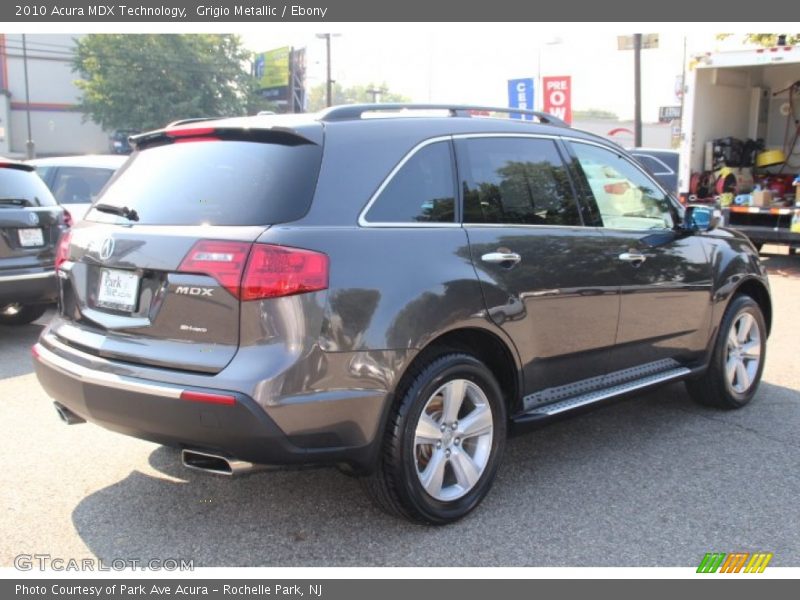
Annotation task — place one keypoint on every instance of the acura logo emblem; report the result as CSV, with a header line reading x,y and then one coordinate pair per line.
x,y
107,249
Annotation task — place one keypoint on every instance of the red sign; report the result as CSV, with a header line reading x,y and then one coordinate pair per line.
x,y
558,97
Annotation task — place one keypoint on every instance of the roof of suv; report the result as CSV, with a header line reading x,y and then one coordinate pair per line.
x,y
426,119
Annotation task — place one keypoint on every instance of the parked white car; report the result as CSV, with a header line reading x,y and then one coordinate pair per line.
x,y
77,180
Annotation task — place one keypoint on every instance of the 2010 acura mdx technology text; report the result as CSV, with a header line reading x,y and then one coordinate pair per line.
x,y
392,295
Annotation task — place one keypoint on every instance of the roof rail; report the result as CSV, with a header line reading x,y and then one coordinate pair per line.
x,y
349,112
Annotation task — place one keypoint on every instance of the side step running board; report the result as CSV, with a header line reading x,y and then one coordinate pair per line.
x,y
549,410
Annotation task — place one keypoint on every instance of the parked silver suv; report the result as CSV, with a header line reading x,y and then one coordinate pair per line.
x,y
393,295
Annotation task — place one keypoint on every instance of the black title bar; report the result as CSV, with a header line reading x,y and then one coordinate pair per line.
x,y
44,11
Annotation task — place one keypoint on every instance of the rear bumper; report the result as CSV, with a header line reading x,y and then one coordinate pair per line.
x,y
156,412
28,287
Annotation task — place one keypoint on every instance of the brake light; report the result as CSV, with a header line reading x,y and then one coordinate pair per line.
x,y
258,271
62,249
275,271
187,132
224,261
67,218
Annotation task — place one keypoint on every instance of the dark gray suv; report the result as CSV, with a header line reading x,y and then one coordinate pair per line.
x,y
391,289
31,223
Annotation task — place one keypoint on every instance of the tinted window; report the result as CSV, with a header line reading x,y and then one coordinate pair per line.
x,y
215,183
422,191
23,187
653,164
516,181
79,185
625,196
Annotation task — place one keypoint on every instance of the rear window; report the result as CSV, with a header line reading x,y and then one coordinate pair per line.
x,y
79,185
24,188
215,183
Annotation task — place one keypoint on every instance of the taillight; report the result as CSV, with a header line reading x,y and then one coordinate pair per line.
x,y
275,271
224,261
257,271
67,218
62,249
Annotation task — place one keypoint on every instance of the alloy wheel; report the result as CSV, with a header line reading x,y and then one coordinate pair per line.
x,y
743,353
453,440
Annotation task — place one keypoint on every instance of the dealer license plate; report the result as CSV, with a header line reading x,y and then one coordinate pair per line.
x,y
30,237
118,290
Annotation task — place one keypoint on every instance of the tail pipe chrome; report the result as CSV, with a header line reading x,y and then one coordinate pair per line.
x,y
66,415
219,465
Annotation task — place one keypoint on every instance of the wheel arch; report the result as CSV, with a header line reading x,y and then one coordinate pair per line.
x,y
756,289
497,353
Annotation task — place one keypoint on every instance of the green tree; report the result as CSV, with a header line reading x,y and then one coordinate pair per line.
x,y
765,39
144,81
357,94
594,113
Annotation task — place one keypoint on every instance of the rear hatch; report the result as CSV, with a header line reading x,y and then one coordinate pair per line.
x,y
30,220
153,275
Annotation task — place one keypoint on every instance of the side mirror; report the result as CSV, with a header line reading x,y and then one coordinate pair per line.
x,y
700,217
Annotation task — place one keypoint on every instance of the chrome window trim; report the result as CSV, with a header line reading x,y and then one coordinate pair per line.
x,y
611,148
638,167
668,171
362,216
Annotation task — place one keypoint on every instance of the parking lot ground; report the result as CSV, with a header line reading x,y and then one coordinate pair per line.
x,y
651,481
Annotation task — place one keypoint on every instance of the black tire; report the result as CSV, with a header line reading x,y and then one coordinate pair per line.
x,y
714,388
21,314
395,485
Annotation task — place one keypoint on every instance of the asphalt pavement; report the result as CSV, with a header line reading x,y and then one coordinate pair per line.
x,y
651,481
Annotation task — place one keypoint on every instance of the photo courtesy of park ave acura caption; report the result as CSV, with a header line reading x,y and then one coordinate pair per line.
x,y
336,300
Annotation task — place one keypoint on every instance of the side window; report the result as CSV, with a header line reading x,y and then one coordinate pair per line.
x,y
651,162
422,191
515,181
625,196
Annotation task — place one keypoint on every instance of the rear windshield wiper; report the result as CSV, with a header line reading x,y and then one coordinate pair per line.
x,y
122,211
15,201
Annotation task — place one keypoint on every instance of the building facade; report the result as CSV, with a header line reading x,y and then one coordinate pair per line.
x,y
56,126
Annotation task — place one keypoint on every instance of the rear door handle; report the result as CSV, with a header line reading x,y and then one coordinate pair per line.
x,y
501,257
635,258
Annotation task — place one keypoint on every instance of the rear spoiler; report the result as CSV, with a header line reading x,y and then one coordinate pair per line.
x,y
193,130
7,163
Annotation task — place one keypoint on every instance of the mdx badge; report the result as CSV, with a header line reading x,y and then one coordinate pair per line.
x,y
194,291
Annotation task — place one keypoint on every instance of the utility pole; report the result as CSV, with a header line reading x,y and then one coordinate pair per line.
x,y
637,90
30,147
328,80
375,92
329,89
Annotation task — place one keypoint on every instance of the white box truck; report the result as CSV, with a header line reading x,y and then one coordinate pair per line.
x,y
744,95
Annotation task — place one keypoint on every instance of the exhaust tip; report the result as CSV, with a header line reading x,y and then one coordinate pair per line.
x,y
214,463
67,416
